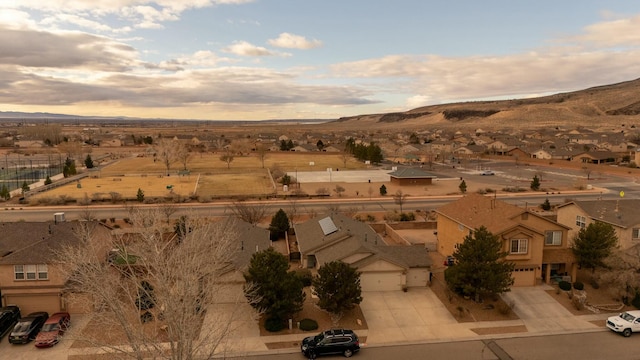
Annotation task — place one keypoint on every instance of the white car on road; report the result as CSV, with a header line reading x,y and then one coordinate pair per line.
x,y
625,323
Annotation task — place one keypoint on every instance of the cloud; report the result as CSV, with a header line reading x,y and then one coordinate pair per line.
x,y
31,48
291,41
244,48
617,32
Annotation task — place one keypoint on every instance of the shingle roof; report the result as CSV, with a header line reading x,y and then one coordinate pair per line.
x,y
251,239
475,210
623,213
35,242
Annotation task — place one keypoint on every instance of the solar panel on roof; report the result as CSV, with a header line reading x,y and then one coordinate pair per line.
x,y
327,226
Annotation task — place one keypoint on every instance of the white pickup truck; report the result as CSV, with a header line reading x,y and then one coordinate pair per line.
x,y
625,323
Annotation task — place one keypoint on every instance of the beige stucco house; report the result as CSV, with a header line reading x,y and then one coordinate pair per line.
x,y
30,270
622,214
538,246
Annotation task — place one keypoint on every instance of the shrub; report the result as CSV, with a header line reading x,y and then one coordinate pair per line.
x,y
564,285
308,324
273,324
636,301
407,217
305,276
578,285
504,308
578,302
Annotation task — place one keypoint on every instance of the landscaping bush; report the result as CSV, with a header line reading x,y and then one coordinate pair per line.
x,y
308,324
273,324
564,285
578,285
636,301
305,276
504,308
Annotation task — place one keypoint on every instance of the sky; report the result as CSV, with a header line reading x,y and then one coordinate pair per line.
x,y
304,59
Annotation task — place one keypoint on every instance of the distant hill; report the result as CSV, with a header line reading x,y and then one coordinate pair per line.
x,y
596,107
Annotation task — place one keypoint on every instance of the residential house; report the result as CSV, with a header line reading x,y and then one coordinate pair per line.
x,y
622,214
538,246
597,157
30,270
335,237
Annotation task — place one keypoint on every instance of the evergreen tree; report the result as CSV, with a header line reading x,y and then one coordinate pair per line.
x,y
25,187
479,266
337,286
271,288
279,225
5,193
140,195
593,244
546,205
88,162
320,145
69,168
463,187
47,181
535,183
383,190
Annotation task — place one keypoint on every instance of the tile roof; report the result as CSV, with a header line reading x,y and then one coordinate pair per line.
x,y
475,210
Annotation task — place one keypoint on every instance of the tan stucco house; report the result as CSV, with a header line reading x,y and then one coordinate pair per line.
x,y
538,246
30,274
622,214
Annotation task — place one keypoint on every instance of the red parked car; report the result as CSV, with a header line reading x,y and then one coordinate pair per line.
x,y
53,329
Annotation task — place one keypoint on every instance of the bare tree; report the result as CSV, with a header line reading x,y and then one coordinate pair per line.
x,y
587,170
167,150
400,198
252,213
72,149
339,190
183,154
159,289
345,156
227,157
621,273
167,210
261,151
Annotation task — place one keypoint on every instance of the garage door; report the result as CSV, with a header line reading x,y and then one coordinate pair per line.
x,y
524,277
381,281
33,303
417,277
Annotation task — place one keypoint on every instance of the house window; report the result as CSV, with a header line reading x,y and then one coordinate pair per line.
x,y
553,238
581,221
635,234
31,272
518,246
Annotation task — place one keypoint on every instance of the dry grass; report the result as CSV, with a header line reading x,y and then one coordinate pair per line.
x,y
251,184
211,163
127,186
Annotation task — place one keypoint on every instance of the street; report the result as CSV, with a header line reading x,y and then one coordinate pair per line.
x,y
596,345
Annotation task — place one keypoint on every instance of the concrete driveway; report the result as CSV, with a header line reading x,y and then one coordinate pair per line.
x,y
416,315
541,313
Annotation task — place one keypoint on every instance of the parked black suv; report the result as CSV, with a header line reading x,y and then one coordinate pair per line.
x,y
9,316
336,341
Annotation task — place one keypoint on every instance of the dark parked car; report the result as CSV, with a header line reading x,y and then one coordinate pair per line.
x,y
9,315
28,327
53,329
336,341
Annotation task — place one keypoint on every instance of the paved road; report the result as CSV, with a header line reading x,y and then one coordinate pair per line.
x,y
581,346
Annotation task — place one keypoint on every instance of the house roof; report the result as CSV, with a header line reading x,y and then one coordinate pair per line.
x,y
352,237
411,173
622,213
251,239
35,242
475,210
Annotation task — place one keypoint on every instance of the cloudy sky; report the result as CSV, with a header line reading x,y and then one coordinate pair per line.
x,y
288,59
